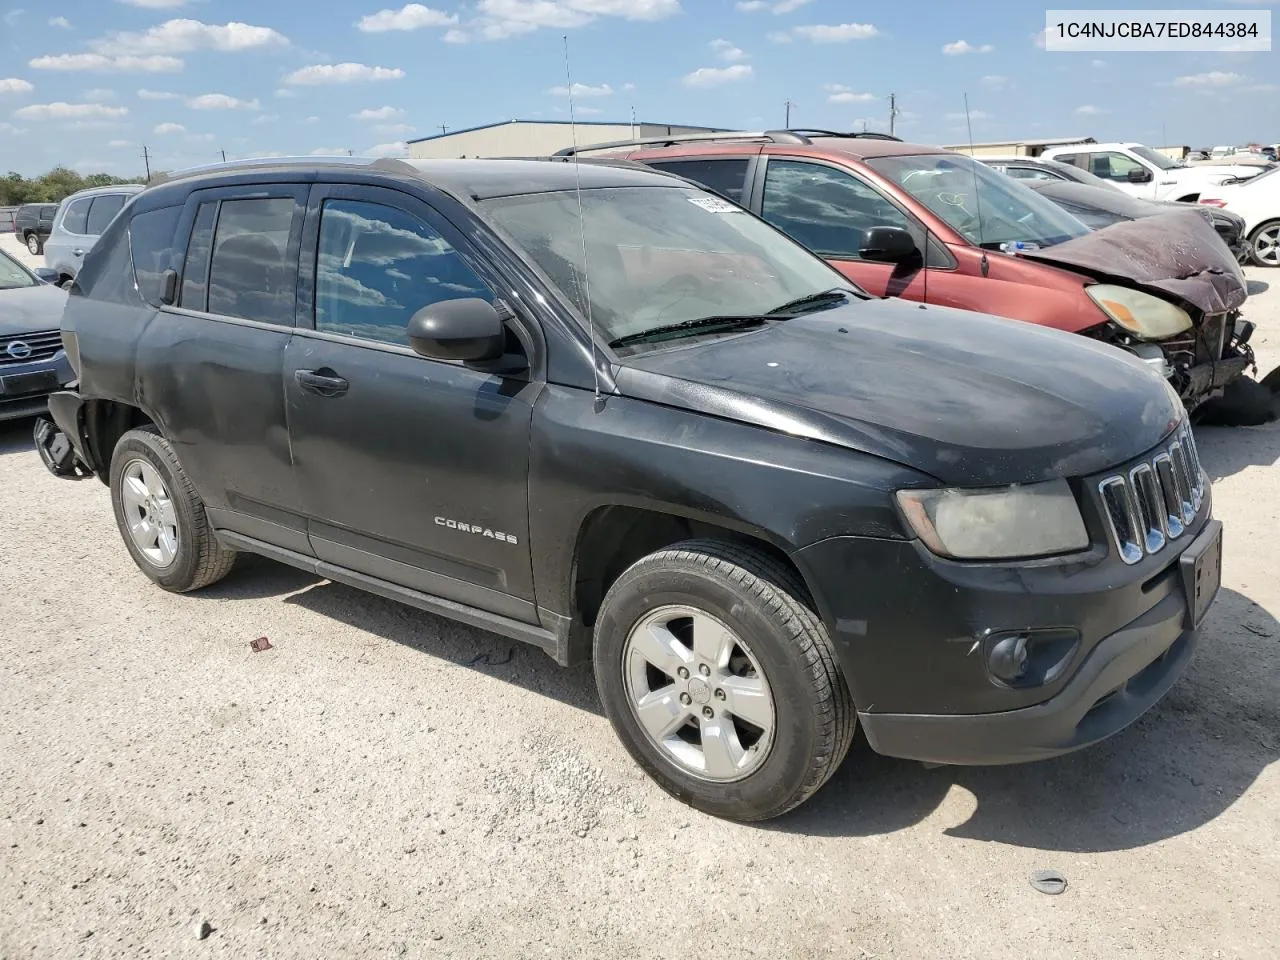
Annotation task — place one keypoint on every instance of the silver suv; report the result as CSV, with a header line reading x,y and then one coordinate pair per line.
x,y
80,220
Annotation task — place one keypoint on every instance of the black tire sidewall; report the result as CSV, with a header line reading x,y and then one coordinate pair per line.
x,y
142,445
787,766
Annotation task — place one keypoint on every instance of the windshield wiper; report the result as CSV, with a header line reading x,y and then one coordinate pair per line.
x,y
810,300
672,331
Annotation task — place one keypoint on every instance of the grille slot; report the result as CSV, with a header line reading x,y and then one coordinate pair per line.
x,y
1156,501
42,346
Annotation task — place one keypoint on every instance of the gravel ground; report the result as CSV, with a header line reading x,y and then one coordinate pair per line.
x,y
384,783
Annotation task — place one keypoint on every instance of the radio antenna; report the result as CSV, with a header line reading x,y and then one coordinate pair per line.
x,y
584,287
977,200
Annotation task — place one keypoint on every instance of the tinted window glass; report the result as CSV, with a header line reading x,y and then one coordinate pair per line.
x,y
1113,166
151,239
48,213
725,177
195,271
77,216
1028,173
101,212
825,209
378,266
248,274
1075,159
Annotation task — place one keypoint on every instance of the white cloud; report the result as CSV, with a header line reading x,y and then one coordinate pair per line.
x,y
1214,78
961,47
199,138
498,19
1089,110
119,144
412,16
329,152
262,118
1038,38
628,87
728,52
393,129
70,111
1098,64
836,33
156,4
456,36
99,94
183,36
10,128
220,101
163,128
977,116
286,94
839,93
994,81
101,63
583,90
778,7
397,149
381,113
60,22
328,73
15,85
777,36
717,76
310,120
588,111
157,95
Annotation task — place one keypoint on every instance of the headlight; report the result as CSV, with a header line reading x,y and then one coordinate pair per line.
x,y
1018,521
1143,315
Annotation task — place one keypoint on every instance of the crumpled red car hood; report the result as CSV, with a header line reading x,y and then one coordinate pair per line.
x,y
1178,254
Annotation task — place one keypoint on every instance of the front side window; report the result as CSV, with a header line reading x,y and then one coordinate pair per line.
x,y
725,177
101,212
658,256
1113,166
249,276
76,218
825,209
12,276
377,266
1031,173
151,242
985,207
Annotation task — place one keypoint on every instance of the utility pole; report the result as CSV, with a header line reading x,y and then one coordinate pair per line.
x,y
864,126
787,124
443,128
224,156
893,111
146,158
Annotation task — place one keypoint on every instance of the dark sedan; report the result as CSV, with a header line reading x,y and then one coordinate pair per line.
x,y
32,361
1097,208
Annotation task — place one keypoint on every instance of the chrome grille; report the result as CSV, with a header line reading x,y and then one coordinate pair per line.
x,y
41,346
1155,502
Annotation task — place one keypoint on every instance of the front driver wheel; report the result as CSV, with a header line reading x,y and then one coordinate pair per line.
x,y
721,681
161,517
34,246
1264,244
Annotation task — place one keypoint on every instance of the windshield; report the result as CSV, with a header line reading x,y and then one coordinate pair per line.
x,y
13,275
985,207
658,256
1156,159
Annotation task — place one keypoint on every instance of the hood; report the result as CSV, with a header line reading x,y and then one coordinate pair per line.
x,y
970,399
31,309
1220,171
1176,254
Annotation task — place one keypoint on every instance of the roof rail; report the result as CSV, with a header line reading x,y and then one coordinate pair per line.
x,y
773,136
866,134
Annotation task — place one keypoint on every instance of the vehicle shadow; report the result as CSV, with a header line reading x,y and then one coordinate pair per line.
x,y
1255,287
15,436
1179,767
1225,451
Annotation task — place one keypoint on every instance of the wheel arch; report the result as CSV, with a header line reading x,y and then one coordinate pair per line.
x,y
104,423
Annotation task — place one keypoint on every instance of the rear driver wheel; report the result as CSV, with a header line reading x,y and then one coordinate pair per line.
x,y
1264,244
721,681
34,246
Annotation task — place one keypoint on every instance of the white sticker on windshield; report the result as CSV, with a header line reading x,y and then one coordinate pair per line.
x,y
715,205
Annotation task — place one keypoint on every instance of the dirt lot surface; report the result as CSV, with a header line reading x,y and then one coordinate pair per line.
x,y
383,783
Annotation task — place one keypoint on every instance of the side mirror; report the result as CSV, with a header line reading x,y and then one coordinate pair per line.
x,y
1139,175
470,330
45,274
888,245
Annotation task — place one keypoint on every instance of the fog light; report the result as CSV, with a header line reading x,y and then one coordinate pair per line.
x,y
1028,658
1008,660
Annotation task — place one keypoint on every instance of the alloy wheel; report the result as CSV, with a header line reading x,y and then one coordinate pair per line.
x,y
1266,245
149,513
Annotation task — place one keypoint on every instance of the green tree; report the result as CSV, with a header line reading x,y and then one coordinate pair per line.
x,y
58,183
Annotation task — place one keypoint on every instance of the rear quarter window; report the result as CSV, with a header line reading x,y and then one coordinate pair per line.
x,y
76,219
151,237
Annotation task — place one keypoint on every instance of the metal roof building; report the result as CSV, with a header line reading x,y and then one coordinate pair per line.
x,y
1015,148
535,138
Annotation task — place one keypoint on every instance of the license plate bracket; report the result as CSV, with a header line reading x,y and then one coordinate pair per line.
x,y
20,384
1202,572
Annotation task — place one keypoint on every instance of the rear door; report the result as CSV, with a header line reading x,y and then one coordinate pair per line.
x,y
210,365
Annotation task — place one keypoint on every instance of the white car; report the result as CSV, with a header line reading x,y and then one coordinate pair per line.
x,y
1142,172
1258,201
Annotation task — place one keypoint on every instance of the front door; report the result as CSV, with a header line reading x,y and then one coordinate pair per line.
x,y
411,470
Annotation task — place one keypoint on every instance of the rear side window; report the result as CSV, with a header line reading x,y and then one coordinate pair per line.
x,y
151,240
725,177
1031,173
101,212
248,273
195,272
76,218
1075,159
825,209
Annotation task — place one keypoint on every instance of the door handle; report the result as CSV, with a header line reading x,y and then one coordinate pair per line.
x,y
77,252
322,384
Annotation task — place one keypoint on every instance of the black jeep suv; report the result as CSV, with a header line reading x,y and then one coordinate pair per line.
x,y
32,224
598,409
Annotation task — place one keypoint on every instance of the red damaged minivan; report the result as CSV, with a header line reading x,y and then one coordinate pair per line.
x,y
1165,288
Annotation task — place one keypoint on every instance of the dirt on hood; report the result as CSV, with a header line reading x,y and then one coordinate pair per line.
x,y
1177,253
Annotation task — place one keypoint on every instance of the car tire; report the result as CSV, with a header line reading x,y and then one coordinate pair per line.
x,y
1264,244
161,517
1244,403
35,246
769,715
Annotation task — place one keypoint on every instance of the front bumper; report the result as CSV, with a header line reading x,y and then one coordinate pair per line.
x,y
909,630
25,387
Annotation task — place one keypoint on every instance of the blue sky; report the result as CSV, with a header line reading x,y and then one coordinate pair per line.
x,y
86,83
